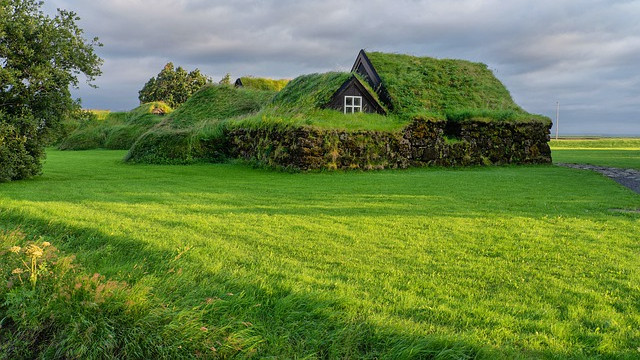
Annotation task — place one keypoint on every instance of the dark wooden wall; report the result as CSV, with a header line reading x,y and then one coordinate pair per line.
x,y
354,88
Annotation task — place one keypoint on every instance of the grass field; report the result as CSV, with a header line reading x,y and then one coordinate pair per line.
x,y
223,259
615,152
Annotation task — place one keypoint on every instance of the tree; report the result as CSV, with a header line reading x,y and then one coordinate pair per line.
x,y
173,86
226,80
40,58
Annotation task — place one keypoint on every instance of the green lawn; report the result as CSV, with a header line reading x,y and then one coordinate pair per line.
x,y
507,262
614,152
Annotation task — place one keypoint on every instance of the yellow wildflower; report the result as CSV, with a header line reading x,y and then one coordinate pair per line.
x,y
46,243
33,251
15,249
17,271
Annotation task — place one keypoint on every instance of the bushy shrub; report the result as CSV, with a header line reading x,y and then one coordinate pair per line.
x,y
172,85
42,57
20,149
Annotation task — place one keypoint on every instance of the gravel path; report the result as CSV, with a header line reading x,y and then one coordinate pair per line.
x,y
626,177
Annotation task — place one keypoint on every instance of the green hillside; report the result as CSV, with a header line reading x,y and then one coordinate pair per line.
x,y
179,139
219,102
263,83
114,130
310,91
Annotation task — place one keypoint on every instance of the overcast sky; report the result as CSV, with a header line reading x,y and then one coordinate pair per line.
x,y
583,53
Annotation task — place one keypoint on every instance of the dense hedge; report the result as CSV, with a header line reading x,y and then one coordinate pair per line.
x,y
423,142
20,150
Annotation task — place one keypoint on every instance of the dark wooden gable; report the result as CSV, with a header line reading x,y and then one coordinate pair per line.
x,y
364,68
238,82
353,87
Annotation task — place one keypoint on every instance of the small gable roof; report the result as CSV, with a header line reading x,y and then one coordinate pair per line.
x,y
356,86
363,66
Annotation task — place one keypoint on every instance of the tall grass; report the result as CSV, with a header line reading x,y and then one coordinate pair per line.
x,y
114,130
263,83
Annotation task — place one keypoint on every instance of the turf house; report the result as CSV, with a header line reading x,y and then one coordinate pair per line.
x,y
390,111
394,111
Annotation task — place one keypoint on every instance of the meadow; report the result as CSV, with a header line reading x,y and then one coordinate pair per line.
x,y
223,260
614,152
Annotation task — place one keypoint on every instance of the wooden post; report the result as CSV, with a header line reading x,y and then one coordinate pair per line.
x,y
557,117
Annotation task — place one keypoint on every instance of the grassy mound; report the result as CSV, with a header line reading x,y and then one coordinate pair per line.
x,y
416,84
219,102
302,101
114,130
308,92
457,91
263,83
194,132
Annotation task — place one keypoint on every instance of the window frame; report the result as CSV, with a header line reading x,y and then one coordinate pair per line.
x,y
352,108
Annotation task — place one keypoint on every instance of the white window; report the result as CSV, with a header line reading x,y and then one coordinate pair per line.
x,y
352,104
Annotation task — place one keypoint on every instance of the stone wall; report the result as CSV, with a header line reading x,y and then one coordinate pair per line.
x,y
421,143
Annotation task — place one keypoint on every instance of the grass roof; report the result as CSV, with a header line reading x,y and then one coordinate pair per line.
x,y
151,108
219,102
416,84
263,83
302,103
308,92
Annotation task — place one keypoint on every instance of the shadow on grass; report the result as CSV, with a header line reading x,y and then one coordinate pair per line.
x,y
264,319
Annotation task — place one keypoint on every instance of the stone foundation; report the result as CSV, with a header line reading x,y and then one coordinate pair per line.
x,y
421,143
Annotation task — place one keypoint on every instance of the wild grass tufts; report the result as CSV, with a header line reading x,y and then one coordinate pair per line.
x,y
263,83
114,130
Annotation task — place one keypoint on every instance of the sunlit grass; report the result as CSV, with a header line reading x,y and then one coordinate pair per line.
x,y
614,152
491,262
